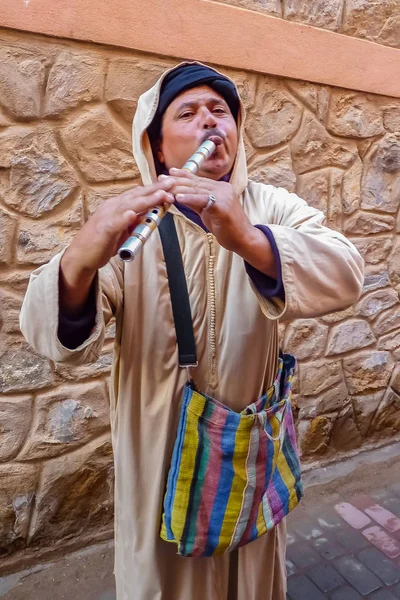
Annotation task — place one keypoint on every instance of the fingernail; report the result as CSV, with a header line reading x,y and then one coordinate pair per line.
x,y
162,177
173,170
171,197
179,197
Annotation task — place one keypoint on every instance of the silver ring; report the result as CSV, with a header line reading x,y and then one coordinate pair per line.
x,y
211,201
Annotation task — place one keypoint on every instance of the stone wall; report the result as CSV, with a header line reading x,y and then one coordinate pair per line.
x,y
65,114
374,20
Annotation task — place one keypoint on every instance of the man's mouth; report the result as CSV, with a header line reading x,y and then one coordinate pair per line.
x,y
215,136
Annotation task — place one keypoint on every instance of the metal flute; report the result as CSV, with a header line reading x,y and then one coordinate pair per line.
x,y
152,219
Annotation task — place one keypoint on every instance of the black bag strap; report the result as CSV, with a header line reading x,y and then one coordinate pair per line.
x,y
179,292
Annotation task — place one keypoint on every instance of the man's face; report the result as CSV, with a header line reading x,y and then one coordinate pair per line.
x,y
191,118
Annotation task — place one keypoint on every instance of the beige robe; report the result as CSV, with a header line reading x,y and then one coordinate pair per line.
x,y
237,347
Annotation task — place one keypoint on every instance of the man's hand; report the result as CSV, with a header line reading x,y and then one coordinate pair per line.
x,y
99,239
226,218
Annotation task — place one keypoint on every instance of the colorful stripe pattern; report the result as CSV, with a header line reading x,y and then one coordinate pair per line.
x,y
233,476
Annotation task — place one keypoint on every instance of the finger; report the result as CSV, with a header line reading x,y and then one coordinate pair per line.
x,y
142,204
185,174
163,184
186,189
129,219
197,202
182,173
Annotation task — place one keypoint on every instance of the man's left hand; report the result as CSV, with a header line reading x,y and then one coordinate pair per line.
x,y
225,218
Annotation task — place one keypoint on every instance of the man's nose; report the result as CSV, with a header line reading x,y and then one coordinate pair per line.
x,y
209,120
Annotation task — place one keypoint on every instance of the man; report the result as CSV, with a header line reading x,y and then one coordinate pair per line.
x,y
252,254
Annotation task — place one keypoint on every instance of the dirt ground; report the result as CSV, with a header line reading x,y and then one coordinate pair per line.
x,y
88,574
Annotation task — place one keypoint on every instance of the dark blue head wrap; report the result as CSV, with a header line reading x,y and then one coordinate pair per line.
x,y
185,78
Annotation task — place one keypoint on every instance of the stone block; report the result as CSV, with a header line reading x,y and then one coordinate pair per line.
x,y
21,79
306,92
275,116
325,577
314,189
374,281
126,80
391,341
39,176
318,13
366,19
380,189
345,433
316,434
346,593
246,84
329,401
7,231
394,264
15,420
102,366
318,376
17,494
354,115
384,517
100,148
374,250
65,418
338,316
306,339
75,494
391,118
73,217
390,33
368,371
351,188
383,541
365,408
275,169
10,306
314,148
302,588
383,568
363,223
328,547
357,575
74,78
349,335
302,555
22,371
388,414
376,302
96,196
352,540
395,382
38,242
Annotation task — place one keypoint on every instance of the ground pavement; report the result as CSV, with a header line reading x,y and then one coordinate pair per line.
x,y
343,542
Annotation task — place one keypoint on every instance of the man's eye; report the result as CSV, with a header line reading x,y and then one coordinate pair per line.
x,y
186,114
219,110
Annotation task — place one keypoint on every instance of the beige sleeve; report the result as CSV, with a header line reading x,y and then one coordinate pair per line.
x,y
40,312
322,271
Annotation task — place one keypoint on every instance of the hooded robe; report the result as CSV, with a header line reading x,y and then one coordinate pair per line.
x,y
236,335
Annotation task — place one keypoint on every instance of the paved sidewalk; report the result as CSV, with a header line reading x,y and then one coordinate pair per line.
x,y
343,542
344,539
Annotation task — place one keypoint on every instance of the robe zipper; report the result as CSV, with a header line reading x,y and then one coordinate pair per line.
x,y
212,344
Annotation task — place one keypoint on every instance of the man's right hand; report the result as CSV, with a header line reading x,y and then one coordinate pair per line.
x,y
101,237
